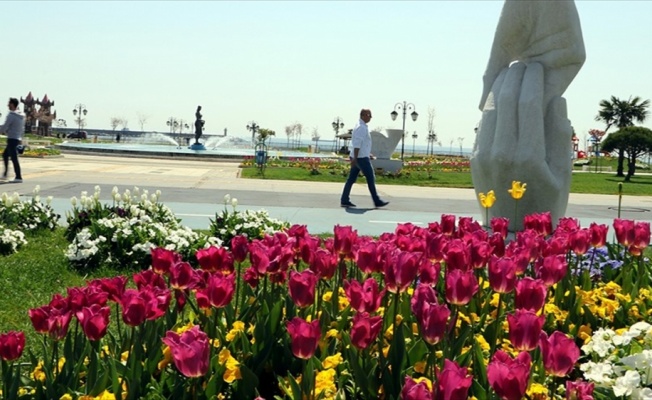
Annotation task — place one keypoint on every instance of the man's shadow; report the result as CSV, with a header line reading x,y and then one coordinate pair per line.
x,y
356,210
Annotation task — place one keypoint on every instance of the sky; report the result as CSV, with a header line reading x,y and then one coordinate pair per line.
x,y
282,62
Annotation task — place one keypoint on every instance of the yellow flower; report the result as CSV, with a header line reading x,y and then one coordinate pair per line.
x,y
488,200
325,384
224,356
420,367
333,333
105,395
537,391
584,333
38,373
65,397
327,296
426,380
232,370
167,358
479,339
333,361
517,190
238,326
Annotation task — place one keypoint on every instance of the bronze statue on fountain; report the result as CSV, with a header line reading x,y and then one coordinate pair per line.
x,y
29,111
199,129
43,117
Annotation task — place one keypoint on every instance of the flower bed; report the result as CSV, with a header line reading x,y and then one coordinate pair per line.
x,y
446,311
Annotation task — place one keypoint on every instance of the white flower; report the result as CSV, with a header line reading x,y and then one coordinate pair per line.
x,y
642,394
73,201
600,373
601,342
234,203
227,198
625,384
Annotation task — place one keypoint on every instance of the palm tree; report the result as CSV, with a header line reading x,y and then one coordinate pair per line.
x,y
622,113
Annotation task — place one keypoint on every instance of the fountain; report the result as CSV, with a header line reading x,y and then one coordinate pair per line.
x,y
162,145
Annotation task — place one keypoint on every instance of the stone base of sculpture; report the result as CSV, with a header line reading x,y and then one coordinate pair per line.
x,y
197,146
392,166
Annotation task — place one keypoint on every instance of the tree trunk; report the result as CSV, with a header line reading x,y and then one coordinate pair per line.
x,y
621,162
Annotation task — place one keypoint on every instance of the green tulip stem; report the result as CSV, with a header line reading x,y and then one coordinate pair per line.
x,y
317,300
486,217
496,336
237,290
515,213
117,321
620,197
4,370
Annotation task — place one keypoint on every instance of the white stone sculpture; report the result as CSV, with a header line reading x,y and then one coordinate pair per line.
x,y
524,134
383,146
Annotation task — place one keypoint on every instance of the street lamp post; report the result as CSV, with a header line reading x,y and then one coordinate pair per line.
x,y
461,139
337,125
404,107
81,110
414,141
253,127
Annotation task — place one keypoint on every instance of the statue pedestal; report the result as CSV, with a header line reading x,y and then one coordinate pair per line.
x,y
387,165
197,146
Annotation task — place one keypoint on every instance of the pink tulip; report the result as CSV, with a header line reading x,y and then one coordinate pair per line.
x,y
625,232
415,391
502,274
509,377
461,286
302,287
149,278
157,302
579,390
447,224
12,345
401,270
551,269
530,294
497,243
524,329
435,245
432,317
540,223
366,297
641,235
559,353
324,263
215,259
365,329
134,307
163,259
219,289
305,337
190,351
239,248
453,382
183,276
500,225
80,297
429,272
558,244
94,321
53,318
480,252
567,224
114,287
579,241
598,234
457,255
344,239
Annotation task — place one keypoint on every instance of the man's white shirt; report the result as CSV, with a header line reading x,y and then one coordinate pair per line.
x,y
361,139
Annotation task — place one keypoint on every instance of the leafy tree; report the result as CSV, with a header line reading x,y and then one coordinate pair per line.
x,y
632,140
622,113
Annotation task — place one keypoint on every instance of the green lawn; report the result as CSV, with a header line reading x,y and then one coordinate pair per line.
x,y
582,182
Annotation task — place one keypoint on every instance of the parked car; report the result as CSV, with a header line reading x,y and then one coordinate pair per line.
x,y
78,135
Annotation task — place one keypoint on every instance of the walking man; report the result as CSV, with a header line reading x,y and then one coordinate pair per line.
x,y
361,161
13,127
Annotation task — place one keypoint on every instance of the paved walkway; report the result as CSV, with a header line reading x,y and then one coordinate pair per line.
x,y
194,190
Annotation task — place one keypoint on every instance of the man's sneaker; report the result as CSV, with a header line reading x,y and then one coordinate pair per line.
x,y
382,204
347,204
17,181
3,178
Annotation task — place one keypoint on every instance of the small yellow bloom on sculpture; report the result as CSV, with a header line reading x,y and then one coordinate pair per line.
x,y
488,200
517,190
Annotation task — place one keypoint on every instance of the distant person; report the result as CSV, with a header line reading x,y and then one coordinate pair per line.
x,y
14,127
361,156
199,124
